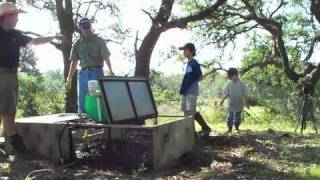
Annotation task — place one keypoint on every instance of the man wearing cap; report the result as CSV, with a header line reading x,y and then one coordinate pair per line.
x,y
91,51
190,88
11,40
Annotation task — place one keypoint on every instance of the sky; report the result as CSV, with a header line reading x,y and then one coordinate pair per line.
x,y
50,58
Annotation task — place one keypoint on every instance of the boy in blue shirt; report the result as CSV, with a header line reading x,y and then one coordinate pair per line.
x,y
190,88
237,94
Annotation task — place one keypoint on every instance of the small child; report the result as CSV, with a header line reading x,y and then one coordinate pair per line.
x,y
237,92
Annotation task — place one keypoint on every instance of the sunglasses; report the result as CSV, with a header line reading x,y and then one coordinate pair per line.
x,y
86,27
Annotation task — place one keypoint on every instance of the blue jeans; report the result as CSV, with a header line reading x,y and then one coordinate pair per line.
x,y
84,77
234,118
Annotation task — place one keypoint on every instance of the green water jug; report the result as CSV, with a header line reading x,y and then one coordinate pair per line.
x,y
96,109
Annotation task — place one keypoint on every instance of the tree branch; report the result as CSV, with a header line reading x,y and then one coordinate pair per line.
x,y
214,70
282,3
136,43
203,14
311,50
149,14
275,29
164,12
268,61
113,41
315,9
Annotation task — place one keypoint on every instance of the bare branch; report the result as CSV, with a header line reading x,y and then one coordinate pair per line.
x,y
310,52
315,9
136,43
203,14
149,14
214,70
113,41
87,11
267,62
282,3
275,29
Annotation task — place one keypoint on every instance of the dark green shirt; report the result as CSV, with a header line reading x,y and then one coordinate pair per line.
x,y
91,52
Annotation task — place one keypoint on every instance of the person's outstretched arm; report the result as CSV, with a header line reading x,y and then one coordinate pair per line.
x,y
44,40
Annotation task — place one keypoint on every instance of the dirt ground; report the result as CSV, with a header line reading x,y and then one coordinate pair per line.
x,y
247,155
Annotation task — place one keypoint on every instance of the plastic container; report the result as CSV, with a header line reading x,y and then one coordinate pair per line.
x,y
93,86
94,104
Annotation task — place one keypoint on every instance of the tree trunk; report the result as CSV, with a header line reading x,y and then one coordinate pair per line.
x,y
71,96
161,23
315,9
66,23
143,55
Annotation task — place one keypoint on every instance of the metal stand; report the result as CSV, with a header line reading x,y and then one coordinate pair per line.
x,y
306,113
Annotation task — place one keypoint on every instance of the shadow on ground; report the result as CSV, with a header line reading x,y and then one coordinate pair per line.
x,y
248,155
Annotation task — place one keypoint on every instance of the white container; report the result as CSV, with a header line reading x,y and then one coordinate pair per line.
x,y
93,86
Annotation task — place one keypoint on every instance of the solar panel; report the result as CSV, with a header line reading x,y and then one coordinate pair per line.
x,y
128,99
141,98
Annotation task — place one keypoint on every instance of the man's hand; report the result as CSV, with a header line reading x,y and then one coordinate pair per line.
x,y
111,73
221,103
61,37
69,84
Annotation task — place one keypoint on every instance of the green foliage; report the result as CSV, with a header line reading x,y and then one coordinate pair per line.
x,y
165,89
28,62
30,88
41,95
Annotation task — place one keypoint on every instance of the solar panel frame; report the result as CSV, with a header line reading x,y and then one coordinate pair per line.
x,y
137,119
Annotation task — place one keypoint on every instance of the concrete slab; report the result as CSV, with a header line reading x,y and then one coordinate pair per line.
x,y
154,146
50,119
172,140
49,135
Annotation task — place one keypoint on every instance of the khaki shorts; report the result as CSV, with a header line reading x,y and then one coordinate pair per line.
x,y
8,92
189,104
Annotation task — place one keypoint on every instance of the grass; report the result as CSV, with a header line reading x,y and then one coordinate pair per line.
x,y
298,157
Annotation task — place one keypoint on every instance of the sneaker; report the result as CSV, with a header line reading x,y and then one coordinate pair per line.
x,y
229,130
205,133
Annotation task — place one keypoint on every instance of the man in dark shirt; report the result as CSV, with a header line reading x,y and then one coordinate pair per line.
x,y
190,88
11,40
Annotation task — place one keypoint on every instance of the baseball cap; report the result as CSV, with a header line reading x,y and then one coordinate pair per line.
x,y
84,23
189,46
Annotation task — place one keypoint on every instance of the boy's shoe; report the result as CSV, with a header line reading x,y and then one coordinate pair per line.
x,y
237,127
205,132
205,128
